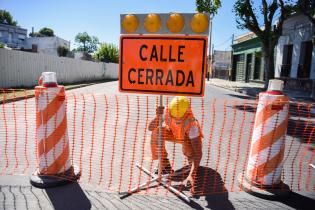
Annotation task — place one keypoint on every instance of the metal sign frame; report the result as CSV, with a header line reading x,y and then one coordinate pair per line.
x,y
164,30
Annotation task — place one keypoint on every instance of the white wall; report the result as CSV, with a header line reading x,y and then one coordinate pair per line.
x,y
46,45
283,40
78,55
111,70
296,29
22,69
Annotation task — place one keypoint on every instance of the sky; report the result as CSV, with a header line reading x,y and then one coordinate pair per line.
x,y
101,18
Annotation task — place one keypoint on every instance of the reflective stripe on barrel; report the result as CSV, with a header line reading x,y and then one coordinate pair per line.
x,y
267,145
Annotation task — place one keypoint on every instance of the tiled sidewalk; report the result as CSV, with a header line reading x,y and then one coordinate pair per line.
x,y
16,193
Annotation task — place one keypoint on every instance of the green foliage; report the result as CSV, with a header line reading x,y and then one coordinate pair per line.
x,y
307,7
240,10
6,18
209,6
1,45
44,32
108,53
86,42
35,34
247,16
62,51
82,38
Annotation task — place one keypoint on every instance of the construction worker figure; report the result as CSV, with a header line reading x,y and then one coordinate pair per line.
x,y
179,126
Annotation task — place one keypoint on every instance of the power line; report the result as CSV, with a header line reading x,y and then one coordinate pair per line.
x,y
223,43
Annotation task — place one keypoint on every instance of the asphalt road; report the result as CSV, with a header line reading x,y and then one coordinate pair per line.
x,y
108,136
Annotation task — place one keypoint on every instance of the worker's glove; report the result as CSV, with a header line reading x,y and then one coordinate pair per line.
x,y
159,110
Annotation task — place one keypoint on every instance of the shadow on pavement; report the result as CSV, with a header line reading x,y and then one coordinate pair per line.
x,y
298,201
242,96
250,91
209,184
219,201
70,196
246,107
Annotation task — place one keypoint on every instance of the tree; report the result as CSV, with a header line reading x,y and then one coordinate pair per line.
x,y
43,32
269,31
108,53
34,34
46,32
86,42
6,18
62,51
209,6
307,7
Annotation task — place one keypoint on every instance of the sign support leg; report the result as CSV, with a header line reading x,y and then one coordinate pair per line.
x,y
160,143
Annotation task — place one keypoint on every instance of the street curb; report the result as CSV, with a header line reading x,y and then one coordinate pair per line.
x,y
33,95
251,94
236,90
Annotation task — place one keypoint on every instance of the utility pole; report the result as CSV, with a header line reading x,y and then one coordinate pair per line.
x,y
210,40
212,49
212,60
231,64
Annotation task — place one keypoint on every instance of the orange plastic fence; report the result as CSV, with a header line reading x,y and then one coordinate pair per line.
x,y
108,136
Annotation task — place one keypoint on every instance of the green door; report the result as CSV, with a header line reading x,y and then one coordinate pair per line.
x,y
240,68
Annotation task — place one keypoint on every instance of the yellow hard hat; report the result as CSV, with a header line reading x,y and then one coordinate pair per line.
x,y
178,106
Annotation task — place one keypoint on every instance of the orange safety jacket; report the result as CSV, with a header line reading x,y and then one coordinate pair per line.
x,y
181,127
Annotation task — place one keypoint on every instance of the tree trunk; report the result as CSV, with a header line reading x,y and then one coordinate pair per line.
x,y
268,58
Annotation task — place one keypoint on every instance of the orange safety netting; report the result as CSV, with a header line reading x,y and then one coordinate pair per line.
x,y
109,136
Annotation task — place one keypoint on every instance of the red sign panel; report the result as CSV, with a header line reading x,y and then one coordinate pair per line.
x,y
174,65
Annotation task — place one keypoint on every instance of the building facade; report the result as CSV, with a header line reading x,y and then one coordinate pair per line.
x,y
12,36
247,65
295,53
16,37
221,64
46,45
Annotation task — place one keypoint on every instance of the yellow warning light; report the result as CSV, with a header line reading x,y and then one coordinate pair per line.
x,y
152,23
175,23
199,23
130,23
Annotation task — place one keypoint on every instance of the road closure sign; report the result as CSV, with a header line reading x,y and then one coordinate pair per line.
x,y
161,64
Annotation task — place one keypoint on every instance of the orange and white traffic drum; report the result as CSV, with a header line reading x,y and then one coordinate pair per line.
x,y
268,141
54,165
265,162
